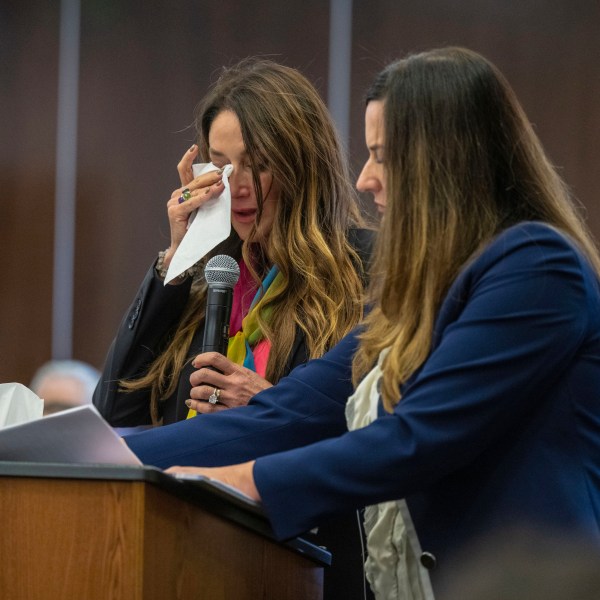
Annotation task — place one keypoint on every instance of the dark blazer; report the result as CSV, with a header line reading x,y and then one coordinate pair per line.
x,y
142,336
499,427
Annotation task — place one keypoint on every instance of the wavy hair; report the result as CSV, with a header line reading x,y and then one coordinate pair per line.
x,y
288,131
462,163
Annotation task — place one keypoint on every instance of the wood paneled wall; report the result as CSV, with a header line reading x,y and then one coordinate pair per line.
x,y
144,66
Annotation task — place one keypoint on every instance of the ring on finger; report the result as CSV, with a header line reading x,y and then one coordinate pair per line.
x,y
214,397
185,195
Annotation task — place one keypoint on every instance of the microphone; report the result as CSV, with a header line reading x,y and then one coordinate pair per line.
x,y
221,274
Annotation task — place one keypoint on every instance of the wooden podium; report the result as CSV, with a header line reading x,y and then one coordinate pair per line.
x,y
81,532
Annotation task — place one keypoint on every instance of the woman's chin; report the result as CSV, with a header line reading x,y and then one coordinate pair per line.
x,y
242,229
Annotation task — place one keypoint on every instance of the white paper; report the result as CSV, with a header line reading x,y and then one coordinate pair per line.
x,y
207,227
74,436
18,404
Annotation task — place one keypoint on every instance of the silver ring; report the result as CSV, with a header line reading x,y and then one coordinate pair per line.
x,y
214,397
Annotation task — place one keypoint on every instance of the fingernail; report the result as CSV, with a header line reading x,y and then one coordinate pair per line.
x,y
192,148
188,403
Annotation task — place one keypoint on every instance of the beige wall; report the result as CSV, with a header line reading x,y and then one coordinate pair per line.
x,y
144,66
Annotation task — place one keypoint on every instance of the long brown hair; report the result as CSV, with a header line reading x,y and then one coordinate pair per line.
x,y
288,131
462,163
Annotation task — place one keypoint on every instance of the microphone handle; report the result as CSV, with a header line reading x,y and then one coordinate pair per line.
x,y
216,321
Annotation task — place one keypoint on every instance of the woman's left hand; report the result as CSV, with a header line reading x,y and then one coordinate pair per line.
x,y
235,384
237,476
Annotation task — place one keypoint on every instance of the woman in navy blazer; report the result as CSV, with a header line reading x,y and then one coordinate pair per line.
x,y
481,349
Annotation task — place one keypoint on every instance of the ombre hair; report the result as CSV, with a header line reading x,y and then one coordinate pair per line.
x,y
462,163
287,131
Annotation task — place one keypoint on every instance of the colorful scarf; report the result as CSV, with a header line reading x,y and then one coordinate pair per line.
x,y
241,345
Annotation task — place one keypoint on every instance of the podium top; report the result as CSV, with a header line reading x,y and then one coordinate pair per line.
x,y
210,495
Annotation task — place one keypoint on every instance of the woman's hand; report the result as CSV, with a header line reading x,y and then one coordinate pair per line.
x,y
236,383
201,189
184,167
237,476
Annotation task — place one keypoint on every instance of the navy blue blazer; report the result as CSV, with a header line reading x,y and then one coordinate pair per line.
x,y
500,426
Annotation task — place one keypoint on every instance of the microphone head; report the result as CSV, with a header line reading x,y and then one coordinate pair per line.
x,y
222,270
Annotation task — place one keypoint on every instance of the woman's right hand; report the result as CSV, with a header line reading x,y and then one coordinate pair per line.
x,y
184,168
202,188
238,476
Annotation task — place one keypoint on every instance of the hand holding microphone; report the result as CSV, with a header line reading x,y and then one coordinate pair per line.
x,y
219,379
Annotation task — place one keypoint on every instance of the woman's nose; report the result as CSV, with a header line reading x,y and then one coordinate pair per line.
x,y
364,183
240,181
369,179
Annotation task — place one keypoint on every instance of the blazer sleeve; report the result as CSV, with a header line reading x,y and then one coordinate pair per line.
x,y
512,328
304,407
140,338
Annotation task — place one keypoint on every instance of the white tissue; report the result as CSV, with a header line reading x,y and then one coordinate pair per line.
x,y
207,227
18,404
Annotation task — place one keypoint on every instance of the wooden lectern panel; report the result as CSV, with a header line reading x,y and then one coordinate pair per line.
x,y
129,540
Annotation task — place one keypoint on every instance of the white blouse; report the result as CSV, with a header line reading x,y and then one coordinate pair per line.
x,y
392,568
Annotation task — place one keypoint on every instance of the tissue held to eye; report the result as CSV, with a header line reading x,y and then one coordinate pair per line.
x,y
227,147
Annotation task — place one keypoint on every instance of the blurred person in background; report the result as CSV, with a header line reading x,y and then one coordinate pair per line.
x,y
64,384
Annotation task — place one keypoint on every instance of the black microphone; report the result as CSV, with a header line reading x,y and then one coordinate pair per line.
x,y
221,274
